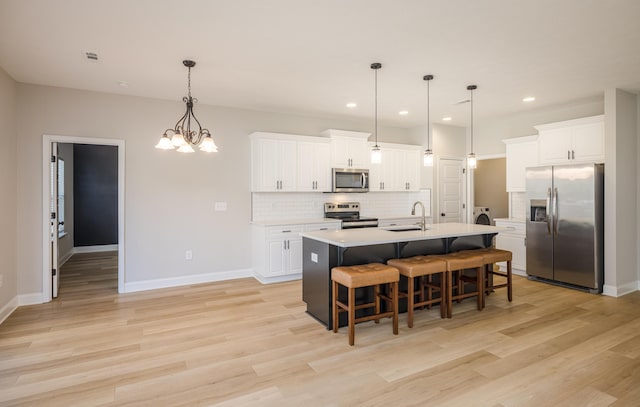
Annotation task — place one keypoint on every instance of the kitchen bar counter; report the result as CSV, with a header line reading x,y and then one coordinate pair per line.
x,y
323,250
373,236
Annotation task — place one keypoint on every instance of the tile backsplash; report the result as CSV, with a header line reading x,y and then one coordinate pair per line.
x,y
519,205
282,205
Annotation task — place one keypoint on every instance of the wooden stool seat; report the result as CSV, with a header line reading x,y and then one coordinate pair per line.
x,y
421,266
460,261
364,275
359,276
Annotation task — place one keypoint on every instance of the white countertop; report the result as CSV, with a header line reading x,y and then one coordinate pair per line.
x,y
285,222
371,236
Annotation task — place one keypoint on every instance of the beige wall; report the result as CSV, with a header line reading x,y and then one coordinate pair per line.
x,y
490,186
169,197
8,225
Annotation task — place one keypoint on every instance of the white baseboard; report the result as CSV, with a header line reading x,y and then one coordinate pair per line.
x,y
94,249
186,280
30,299
279,279
613,291
8,309
64,258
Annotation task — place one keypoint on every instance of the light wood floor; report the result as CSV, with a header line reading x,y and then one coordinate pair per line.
x,y
240,343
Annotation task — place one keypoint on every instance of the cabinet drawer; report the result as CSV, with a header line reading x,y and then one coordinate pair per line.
x,y
321,226
284,231
517,228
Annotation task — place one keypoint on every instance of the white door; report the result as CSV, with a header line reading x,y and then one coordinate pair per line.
x,y
53,220
450,177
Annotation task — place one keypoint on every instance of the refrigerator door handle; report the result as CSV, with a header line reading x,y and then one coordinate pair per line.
x,y
549,214
555,211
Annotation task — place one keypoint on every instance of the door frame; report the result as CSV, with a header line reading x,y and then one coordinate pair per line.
x,y
464,191
47,139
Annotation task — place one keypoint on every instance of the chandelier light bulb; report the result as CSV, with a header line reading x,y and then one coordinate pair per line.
x,y
165,143
208,145
186,148
178,140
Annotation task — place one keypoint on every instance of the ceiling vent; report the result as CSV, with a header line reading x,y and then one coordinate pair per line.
x,y
90,56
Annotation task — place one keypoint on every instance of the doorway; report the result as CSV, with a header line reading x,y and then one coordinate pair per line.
x,y
490,187
451,207
49,244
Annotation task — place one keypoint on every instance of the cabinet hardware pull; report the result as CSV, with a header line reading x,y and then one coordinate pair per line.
x,y
324,228
568,154
573,155
286,231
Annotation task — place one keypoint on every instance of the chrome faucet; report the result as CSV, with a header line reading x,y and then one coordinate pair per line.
x,y
423,223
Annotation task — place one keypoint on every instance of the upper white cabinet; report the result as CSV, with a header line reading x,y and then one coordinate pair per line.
x,y
408,162
522,152
314,165
579,140
288,162
348,149
399,169
273,163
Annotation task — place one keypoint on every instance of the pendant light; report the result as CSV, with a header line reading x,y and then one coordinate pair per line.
x,y
428,154
471,158
376,154
182,136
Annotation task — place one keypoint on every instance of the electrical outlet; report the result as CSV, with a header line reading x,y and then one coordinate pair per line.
x,y
220,206
188,255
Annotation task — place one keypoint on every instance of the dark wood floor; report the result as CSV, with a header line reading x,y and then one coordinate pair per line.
x,y
240,343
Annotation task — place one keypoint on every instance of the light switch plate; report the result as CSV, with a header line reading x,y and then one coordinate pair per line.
x,y
220,206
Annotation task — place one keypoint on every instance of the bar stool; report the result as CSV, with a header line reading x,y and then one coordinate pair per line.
x,y
421,266
490,256
365,275
460,261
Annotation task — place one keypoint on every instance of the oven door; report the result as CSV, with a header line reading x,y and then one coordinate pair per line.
x,y
350,180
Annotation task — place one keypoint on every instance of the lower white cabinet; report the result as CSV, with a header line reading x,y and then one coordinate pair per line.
x,y
277,250
513,240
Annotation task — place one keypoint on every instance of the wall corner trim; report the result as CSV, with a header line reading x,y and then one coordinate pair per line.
x,y
619,291
8,309
30,299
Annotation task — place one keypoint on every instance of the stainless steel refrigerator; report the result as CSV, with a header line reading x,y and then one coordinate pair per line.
x,y
565,224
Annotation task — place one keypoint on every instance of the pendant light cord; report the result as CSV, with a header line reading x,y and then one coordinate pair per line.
x,y
376,105
472,120
428,116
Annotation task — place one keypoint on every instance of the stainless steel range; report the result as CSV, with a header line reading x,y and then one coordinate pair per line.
x,y
349,214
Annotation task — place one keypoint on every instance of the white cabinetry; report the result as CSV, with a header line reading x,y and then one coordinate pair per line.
x,y
273,162
522,152
382,175
314,166
579,140
514,241
399,169
277,250
348,149
408,169
288,162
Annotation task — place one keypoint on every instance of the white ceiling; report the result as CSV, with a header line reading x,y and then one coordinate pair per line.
x,y
313,56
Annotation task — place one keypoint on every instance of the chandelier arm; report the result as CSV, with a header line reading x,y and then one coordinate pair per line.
x,y
180,121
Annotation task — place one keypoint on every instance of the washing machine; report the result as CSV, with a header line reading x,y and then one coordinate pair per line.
x,y
482,215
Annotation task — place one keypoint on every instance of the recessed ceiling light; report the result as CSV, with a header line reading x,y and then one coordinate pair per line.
x,y
403,112
446,119
529,99
351,105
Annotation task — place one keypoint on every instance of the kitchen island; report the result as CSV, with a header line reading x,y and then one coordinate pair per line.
x,y
323,250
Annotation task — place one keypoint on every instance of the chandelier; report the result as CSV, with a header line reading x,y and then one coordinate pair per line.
x,y
181,136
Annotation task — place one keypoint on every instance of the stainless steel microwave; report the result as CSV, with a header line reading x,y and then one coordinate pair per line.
x,y
350,180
